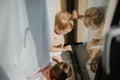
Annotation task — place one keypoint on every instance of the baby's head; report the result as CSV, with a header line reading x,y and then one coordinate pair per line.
x,y
93,17
60,71
95,62
63,22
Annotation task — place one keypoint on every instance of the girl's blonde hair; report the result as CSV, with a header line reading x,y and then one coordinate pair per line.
x,y
64,20
94,16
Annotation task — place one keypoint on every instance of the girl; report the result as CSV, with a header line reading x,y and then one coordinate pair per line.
x,y
63,24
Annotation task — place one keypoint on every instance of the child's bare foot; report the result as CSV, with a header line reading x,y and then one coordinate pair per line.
x,y
57,58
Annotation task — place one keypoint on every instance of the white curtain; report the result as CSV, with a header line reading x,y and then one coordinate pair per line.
x,y
25,37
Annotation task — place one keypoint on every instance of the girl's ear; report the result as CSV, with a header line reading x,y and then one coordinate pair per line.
x,y
56,29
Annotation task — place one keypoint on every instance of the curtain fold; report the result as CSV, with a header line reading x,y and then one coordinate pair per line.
x,y
13,22
26,28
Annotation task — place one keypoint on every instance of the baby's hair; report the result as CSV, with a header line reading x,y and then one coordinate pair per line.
x,y
60,71
95,62
93,16
63,20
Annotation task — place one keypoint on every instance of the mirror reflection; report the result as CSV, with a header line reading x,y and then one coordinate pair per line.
x,y
82,45
59,40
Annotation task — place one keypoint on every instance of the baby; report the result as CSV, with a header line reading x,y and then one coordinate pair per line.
x,y
94,21
60,71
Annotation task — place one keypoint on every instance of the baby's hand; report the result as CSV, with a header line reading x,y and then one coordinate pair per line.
x,y
89,45
68,48
95,52
88,49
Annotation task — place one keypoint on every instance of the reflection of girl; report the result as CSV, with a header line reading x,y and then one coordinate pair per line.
x,y
93,19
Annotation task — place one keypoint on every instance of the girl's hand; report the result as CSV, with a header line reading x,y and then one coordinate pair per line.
x,y
67,48
75,14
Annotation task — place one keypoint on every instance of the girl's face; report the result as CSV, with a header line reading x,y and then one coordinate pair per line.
x,y
63,32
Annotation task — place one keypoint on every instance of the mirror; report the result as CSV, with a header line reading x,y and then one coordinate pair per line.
x,y
83,34
92,64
